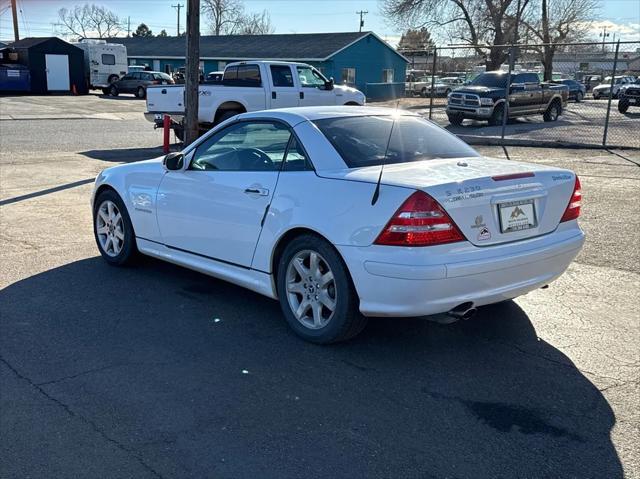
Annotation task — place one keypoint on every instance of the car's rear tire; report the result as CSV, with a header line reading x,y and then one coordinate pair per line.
x,y
423,93
579,97
496,117
112,229
316,293
455,120
553,111
141,92
112,79
113,91
623,105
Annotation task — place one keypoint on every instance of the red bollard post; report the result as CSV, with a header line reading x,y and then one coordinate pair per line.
x,y
166,123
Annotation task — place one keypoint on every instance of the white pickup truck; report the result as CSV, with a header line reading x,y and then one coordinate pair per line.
x,y
250,86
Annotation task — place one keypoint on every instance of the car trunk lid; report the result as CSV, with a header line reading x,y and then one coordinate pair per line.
x,y
491,201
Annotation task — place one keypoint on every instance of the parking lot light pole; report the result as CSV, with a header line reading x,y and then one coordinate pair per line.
x,y
192,77
613,80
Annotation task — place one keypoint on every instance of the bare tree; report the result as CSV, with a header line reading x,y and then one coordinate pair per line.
x,y
560,21
473,22
256,24
90,21
225,16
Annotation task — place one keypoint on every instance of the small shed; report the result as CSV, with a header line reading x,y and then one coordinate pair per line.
x,y
55,65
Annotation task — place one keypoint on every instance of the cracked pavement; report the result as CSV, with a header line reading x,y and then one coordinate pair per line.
x,y
121,373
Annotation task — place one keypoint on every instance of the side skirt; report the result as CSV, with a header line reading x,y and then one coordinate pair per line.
x,y
252,279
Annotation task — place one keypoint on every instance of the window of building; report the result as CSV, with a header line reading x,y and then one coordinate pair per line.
x,y
349,76
387,75
108,59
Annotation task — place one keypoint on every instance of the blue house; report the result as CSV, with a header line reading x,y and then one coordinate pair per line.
x,y
359,59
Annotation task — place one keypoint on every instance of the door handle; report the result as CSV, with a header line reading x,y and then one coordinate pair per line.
x,y
302,95
273,95
257,191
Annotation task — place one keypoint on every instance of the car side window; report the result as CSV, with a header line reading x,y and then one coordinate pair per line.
x,y
296,159
244,146
281,76
310,78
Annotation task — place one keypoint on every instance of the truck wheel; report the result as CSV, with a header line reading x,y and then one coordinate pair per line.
x,y
179,132
423,93
456,120
140,92
113,91
226,115
623,105
553,111
579,97
496,116
112,78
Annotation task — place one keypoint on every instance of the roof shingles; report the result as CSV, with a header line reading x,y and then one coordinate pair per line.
x,y
297,46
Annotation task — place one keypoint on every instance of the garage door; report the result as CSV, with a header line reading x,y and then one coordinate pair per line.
x,y
57,72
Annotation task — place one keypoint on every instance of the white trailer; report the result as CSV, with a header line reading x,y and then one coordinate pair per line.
x,y
104,62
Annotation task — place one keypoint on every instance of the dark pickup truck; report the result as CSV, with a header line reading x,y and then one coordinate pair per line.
x,y
628,95
483,98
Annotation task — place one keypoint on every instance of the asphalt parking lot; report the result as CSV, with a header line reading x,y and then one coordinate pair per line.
x,y
580,124
157,371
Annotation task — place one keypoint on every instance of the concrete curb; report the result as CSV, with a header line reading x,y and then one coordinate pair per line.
x,y
495,141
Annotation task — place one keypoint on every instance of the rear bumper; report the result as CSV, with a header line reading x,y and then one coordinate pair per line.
x,y
396,281
156,116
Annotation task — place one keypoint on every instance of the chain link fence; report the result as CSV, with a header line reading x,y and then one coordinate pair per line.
x,y
585,94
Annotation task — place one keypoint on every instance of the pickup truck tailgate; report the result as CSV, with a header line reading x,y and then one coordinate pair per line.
x,y
165,99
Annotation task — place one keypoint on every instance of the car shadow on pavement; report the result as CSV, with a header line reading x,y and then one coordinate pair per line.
x,y
128,155
192,376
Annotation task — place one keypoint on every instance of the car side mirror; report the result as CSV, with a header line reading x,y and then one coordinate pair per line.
x,y
328,85
173,161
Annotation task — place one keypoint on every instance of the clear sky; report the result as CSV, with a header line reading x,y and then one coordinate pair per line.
x,y
288,16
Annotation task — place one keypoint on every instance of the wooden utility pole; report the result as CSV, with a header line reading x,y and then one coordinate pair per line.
x,y
14,13
178,7
192,72
362,13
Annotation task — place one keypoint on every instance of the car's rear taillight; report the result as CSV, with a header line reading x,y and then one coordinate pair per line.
x,y
420,221
573,208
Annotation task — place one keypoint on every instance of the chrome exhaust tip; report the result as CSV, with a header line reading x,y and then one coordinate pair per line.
x,y
463,311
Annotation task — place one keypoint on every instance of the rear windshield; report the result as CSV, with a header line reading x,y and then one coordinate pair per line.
x,y
362,140
498,80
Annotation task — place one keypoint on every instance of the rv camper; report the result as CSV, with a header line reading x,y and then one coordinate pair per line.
x,y
104,63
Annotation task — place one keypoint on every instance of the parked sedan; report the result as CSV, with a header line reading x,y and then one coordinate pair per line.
x,y
577,90
137,83
342,213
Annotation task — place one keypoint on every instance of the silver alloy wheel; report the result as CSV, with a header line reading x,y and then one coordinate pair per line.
x,y
311,289
110,228
554,112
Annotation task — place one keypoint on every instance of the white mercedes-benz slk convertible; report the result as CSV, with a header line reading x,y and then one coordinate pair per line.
x,y
345,212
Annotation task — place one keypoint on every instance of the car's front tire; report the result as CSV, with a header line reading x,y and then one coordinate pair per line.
x,y
623,105
553,111
112,229
455,120
497,115
113,90
316,293
141,93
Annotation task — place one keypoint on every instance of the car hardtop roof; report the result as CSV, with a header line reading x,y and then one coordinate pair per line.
x,y
297,115
265,62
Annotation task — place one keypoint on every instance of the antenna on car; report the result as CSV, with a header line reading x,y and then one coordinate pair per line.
x,y
376,192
